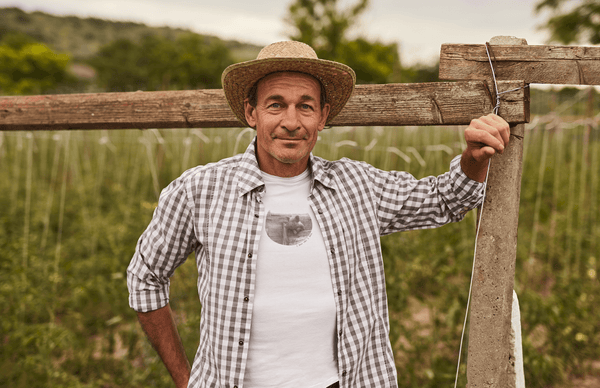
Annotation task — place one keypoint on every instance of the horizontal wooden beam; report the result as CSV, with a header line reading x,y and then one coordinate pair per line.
x,y
131,110
439,103
575,65
448,103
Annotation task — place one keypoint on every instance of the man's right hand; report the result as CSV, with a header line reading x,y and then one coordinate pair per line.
x,y
485,137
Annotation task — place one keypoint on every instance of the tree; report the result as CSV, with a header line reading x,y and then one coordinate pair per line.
x,y
157,63
373,62
117,67
322,25
199,63
29,67
579,23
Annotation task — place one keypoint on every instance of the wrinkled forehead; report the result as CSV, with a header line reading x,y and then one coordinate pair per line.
x,y
289,77
278,79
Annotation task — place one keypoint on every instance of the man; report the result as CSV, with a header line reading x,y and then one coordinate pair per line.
x,y
304,312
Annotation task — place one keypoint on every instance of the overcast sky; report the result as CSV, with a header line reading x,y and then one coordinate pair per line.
x,y
419,26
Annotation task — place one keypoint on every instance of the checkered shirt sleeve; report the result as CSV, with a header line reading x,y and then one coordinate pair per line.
x,y
424,203
165,244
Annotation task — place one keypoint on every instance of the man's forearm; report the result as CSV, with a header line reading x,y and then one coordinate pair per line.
x,y
474,169
162,333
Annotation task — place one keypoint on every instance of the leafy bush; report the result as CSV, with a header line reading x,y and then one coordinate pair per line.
x,y
29,67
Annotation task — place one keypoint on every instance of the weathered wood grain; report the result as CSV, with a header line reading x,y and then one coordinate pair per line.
x,y
446,103
575,65
142,110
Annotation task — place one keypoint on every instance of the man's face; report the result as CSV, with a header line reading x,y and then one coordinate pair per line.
x,y
288,118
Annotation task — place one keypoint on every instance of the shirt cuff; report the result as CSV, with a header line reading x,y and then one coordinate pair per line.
x,y
146,292
469,192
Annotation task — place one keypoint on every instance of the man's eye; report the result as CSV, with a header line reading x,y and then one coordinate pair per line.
x,y
306,106
275,105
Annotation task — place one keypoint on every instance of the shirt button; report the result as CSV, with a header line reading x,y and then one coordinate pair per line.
x,y
332,250
241,343
339,292
343,373
340,333
320,211
250,255
256,215
246,298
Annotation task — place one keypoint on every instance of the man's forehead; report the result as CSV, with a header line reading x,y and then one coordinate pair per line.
x,y
288,76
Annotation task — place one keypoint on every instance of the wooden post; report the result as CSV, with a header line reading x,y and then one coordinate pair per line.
x,y
493,278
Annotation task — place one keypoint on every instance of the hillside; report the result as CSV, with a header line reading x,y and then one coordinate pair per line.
x,y
81,38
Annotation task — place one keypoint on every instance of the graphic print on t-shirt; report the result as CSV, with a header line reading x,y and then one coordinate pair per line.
x,y
288,229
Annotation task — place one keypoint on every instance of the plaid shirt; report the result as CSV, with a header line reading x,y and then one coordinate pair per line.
x,y
216,210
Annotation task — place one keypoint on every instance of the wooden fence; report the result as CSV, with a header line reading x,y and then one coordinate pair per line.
x,y
491,358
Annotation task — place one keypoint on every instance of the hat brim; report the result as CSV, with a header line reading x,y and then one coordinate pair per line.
x,y
337,80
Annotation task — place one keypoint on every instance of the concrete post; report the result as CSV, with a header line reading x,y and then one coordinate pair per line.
x,y
493,278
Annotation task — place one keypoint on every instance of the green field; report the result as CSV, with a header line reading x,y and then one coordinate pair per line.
x,y
74,203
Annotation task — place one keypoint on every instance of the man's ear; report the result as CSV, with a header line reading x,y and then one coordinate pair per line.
x,y
250,113
324,116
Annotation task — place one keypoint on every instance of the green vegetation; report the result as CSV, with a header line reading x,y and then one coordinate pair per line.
x,y
41,53
83,37
75,203
159,64
572,21
29,67
324,25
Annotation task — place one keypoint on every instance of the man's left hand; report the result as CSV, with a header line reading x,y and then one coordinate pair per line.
x,y
485,137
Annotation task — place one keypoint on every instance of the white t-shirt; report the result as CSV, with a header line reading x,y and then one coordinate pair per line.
x,y
292,338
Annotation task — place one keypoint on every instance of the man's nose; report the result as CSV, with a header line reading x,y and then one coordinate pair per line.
x,y
290,120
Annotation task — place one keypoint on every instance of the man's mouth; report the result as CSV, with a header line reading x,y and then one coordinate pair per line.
x,y
285,138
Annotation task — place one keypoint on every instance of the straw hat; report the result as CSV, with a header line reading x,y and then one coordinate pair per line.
x,y
337,79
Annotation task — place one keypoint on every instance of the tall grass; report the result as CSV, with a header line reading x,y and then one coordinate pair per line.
x,y
74,203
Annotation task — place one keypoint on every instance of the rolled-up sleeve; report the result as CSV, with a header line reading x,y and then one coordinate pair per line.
x,y
465,193
165,244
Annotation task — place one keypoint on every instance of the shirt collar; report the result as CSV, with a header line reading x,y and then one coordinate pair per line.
x,y
250,177
320,172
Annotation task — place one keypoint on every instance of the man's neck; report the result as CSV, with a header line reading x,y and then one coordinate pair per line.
x,y
284,170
